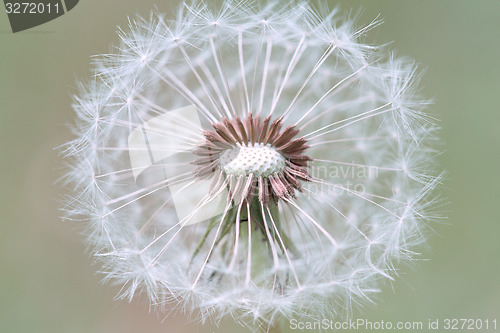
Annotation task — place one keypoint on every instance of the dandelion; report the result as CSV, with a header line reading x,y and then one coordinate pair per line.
x,y
302,154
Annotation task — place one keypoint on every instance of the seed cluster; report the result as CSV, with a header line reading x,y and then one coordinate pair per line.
x,y
255,157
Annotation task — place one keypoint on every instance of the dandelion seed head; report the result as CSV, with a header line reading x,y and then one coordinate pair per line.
x,y
257,159
311,146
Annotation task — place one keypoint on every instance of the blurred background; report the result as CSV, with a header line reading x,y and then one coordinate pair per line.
x,y
47,281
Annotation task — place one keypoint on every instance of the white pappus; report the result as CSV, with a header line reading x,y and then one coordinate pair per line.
x,y
317,140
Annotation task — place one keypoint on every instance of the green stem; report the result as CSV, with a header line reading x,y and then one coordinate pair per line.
x,y
260,220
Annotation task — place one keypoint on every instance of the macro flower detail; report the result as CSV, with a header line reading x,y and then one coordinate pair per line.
x,y
255,155
253,161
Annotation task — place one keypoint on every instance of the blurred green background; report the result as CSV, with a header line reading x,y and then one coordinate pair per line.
x,y
47,283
